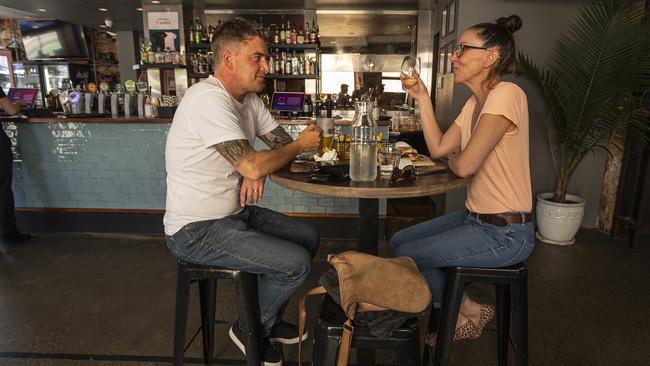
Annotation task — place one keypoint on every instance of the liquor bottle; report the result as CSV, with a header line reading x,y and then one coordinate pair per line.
x,y
307,107
301,36
307,38
307,66
287,39
294,35
278,68
192,32
276,35
312,33
210,32
271,64
144,56
318,36
294,64
198,32
287,66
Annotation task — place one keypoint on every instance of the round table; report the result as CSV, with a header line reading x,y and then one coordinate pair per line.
x,y
369,194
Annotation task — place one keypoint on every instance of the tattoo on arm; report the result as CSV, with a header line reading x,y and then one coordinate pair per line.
x,y
235,151
277,138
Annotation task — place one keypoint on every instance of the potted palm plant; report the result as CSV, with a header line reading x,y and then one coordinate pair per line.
x,y
593,89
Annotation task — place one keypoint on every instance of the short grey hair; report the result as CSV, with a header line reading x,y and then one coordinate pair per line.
x,y
236,30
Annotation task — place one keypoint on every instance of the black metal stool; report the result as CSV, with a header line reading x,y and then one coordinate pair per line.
x,y
247,303
405,340
511,285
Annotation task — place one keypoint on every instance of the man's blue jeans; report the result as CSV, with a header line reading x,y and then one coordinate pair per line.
x,y
459,239
257,240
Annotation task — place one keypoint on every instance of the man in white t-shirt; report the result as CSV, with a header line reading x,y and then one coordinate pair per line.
x,y
213,171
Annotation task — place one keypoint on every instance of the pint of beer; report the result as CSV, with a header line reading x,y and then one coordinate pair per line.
x,y
327,138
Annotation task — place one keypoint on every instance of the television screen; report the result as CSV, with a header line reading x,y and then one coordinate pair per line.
x,y
51,38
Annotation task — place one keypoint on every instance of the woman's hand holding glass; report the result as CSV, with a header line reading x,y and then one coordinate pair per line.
x,y
410,77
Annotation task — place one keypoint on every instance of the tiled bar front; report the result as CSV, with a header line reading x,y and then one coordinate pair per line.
x,y
89,165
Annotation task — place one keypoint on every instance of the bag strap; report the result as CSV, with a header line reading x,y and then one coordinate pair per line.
x,y
302,316
346,343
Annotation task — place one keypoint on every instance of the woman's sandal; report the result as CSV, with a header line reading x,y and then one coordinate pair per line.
x,y
464,332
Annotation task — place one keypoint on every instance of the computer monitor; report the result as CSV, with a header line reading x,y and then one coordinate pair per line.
x,y
26,94
287,101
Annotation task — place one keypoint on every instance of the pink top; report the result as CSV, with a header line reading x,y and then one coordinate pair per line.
x,y
502,183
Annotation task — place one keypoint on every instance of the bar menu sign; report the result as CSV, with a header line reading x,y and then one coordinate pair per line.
x,y
163,20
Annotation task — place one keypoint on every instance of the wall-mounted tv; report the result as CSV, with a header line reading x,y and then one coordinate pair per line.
x,y
52,39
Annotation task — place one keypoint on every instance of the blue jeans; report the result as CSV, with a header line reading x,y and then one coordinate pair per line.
x,y
459,239
257,240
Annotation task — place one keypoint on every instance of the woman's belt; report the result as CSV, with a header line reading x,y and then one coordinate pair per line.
x,y
503,219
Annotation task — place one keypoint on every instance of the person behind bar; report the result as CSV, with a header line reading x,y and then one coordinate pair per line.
x,y
488,143
213,171
10,232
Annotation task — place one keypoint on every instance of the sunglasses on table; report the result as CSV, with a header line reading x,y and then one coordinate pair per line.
x,y
407,173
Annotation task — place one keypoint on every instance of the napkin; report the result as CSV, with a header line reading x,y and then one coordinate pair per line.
x,y
327,156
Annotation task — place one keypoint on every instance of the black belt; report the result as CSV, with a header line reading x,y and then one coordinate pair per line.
x,y
503,219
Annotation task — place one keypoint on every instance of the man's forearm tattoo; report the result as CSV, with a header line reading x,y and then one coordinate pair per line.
x,y
277,138
235,150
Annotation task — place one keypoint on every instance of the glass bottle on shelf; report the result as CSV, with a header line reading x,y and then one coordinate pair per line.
x,y
283,34
198,32
294,35
307,40
363,144
192,32
276,35
312,33
300,38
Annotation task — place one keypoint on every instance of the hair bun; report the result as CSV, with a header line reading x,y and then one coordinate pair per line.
x,y
511,24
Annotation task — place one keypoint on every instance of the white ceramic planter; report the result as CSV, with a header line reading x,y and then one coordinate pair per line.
x,y
558,223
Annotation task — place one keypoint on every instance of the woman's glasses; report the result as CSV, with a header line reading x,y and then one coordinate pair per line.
x,y
406,173
461,48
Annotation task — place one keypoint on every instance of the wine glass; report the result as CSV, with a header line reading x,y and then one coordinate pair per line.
x,y
409,65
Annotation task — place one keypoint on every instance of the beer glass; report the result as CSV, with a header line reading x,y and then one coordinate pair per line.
x,y
410,64
327,138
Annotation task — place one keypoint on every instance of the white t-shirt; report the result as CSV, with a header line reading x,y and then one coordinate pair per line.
x,y
169,41
201,183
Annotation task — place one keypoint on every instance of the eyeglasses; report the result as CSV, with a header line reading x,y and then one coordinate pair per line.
x,y
407,173
461,48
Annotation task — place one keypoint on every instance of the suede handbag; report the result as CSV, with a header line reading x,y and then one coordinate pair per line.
x,y
370,283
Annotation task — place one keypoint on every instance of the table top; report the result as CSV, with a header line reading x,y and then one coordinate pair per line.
x,y
423,185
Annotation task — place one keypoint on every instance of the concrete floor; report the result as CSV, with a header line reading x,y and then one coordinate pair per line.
x,y
108,299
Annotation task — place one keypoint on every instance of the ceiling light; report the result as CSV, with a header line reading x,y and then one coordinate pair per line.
x,y
102,26
41,10
138,9
155,2
102,9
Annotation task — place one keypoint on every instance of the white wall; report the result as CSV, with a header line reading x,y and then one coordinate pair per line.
x,y
543,22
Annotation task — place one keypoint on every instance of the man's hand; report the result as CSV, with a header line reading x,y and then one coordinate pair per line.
x,y
251,191
309,138
20,103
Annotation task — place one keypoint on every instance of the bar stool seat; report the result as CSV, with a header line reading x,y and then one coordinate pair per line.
x,y
511,286
246,296
405,340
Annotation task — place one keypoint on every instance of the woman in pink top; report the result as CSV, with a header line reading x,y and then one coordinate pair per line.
x,y
488,143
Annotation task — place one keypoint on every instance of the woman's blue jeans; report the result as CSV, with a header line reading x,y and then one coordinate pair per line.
x,y
459,239
257,240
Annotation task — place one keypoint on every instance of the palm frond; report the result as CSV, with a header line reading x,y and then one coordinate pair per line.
x,y
598,64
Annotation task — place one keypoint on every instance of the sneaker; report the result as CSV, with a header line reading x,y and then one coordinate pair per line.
x,y
271,355
286,333
15,237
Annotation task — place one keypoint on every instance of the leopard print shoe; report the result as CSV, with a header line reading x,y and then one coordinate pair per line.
x,y
487,314
464,332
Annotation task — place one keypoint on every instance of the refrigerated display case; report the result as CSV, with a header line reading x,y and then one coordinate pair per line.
x,y
6,74
49,76
28,76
